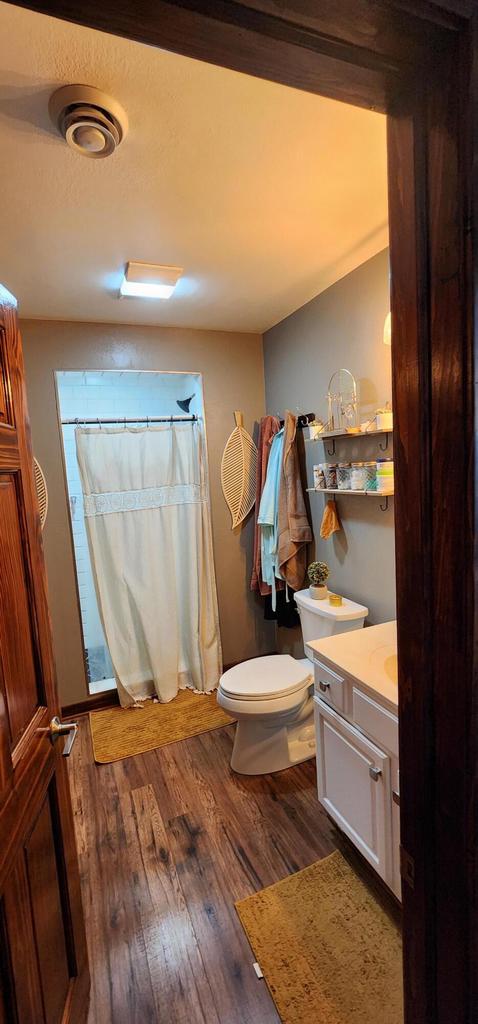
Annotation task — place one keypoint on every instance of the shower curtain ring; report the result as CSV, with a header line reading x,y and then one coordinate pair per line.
x,y
147,422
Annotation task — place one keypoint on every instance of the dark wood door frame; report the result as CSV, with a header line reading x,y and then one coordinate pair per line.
x,y
414,59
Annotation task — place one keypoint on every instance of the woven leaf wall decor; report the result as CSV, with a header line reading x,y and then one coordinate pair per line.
x,y
238,472
42,492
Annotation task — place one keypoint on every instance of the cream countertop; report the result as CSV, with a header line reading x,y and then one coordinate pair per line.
x,y
368,656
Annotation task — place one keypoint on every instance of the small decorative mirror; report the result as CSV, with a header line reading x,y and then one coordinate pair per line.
x,y
342,401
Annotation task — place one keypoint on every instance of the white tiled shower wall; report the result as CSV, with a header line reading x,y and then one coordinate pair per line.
x,y
107,394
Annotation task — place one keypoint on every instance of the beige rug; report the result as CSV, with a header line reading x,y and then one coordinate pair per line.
x,y
328,952
123,732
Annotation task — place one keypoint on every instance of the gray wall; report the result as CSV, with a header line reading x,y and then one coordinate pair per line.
x,y
233,378
342,327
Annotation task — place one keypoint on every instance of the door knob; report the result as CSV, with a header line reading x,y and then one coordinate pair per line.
x,y
57,728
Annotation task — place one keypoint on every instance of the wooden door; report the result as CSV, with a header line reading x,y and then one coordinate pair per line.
x,y
353,780
43,961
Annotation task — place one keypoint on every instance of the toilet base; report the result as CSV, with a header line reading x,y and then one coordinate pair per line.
x,y
269,744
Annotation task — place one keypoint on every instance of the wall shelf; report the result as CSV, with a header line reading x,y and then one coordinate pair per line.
x,y
333,435
348,490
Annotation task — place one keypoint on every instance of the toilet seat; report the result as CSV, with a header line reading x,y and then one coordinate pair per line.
x,y
273,676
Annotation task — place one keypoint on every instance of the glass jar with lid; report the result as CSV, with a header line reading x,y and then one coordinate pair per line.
x,y
370,476
357,476
344,471
330,470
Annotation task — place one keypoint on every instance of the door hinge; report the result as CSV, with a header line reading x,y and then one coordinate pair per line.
x,y
407,868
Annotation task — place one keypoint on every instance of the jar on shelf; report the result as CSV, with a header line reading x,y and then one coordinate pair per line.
x,y
385,477
370,476
357,476
344,470
319,477
330,470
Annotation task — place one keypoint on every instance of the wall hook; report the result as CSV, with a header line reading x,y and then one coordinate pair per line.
x,y
383,447
384,508
333,448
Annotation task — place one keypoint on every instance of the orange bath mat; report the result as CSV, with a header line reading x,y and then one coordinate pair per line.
x,y
124,732
328,951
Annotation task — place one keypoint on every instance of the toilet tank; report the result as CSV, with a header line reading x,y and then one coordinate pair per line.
x,y
319,619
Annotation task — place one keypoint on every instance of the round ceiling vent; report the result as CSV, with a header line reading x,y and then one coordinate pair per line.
x,y
90,121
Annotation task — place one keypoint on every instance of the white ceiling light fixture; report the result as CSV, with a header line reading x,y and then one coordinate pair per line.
x,y
91,122
149,281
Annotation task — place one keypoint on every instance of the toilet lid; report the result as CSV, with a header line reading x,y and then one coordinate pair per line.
x,y
276,675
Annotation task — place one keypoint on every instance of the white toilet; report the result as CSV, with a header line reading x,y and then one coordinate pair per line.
x,y
271,697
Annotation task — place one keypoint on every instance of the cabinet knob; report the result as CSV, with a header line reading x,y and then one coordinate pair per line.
x,y
323,686
374,772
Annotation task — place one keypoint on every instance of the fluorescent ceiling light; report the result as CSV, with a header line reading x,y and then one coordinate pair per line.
x,y
144,290
149,281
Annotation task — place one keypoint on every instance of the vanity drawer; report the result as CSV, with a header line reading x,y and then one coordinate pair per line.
x,y
330,687
377,722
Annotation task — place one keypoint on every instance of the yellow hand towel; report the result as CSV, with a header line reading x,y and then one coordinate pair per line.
x,y
330,521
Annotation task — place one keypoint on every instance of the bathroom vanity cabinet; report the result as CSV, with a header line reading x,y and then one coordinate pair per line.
x,y
356,720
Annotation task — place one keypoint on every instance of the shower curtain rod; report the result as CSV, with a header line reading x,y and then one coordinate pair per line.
x,y
98,421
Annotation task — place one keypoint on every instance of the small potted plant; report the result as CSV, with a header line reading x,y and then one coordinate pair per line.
x,y
318,573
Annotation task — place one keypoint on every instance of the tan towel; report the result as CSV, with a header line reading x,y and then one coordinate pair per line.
x,y
293,527
330,521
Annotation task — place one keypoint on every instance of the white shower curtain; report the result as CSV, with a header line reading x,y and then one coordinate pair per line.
x,y
149,531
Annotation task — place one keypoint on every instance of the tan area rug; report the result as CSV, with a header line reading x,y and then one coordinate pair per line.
x,y
123,732
328,952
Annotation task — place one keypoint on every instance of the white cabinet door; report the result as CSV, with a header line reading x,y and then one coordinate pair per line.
x,y
353,778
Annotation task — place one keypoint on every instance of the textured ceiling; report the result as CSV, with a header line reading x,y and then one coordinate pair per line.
x,y
265,195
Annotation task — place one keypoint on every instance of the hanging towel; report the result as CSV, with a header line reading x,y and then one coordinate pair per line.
x,y
269,427
294,532
330,521
268,515
285,613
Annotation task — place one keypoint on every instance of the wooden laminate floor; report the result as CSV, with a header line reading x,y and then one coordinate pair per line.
x,y
167,842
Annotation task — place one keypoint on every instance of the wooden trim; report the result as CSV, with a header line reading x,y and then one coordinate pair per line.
x,y
306,50
66,498
97,702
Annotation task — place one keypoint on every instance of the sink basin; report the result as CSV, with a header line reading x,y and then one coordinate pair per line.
x,y
384,657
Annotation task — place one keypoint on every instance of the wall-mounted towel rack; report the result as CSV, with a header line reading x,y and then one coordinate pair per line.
x,y
303,419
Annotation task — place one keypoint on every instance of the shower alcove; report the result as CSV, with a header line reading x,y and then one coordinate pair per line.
x,y
134,396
